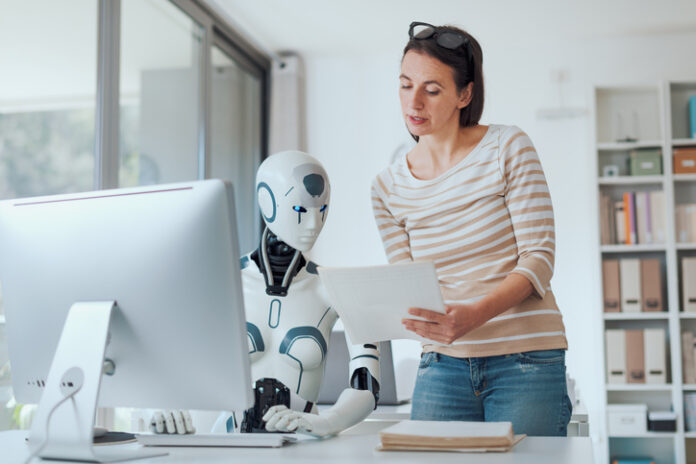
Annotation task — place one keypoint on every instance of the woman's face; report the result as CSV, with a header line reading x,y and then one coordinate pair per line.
x,y
429,97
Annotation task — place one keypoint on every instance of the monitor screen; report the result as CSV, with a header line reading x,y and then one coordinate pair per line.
x,y
167,255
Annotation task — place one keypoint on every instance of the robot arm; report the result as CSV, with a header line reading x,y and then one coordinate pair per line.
x,y
353,405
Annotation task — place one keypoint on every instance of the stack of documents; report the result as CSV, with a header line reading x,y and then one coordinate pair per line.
x,y
411,435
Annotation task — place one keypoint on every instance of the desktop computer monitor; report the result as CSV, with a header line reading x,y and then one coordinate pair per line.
x,y
146,279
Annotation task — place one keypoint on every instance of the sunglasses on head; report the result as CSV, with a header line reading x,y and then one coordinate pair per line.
x,y
444,38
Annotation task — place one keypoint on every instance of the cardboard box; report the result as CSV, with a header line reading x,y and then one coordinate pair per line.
x,y
627,419
684,160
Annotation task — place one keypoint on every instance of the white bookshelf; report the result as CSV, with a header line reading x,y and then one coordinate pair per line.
x,y
648,116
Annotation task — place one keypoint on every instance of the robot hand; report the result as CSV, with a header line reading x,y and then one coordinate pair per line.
x,y
351,407
281,419
178,421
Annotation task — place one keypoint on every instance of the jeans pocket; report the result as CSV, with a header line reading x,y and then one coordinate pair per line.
x,y
426,359
545,357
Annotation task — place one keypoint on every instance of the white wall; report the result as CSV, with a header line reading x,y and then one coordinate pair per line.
x,y
354,125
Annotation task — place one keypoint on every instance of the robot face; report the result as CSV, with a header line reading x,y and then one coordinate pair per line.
x,y
293,192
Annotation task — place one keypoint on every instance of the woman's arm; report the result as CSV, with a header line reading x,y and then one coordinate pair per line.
x,y
462,319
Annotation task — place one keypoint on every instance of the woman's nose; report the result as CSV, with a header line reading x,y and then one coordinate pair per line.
x,y
415,101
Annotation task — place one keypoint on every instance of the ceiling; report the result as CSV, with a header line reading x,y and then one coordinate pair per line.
x,y
322,27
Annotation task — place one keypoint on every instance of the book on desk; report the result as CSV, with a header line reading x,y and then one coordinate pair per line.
x,y
411,435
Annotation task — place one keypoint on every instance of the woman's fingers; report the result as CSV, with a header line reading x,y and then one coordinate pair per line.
x,y
428,314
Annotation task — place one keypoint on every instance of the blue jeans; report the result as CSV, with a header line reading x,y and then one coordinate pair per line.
x,y
527,389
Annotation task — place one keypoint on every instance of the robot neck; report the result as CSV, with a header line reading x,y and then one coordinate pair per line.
x,y
278,262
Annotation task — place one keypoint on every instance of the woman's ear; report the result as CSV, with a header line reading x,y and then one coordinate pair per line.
x,y
465,95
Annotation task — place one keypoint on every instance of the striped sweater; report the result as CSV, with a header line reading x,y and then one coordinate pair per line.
x,y
484,218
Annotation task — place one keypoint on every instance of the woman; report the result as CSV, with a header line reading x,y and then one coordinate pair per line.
x,y
474,200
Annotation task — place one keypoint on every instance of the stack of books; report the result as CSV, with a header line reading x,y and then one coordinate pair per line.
x,y
639,217
462,436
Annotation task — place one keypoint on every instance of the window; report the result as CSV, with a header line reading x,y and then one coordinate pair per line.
x,y
235,147
47,96
161,49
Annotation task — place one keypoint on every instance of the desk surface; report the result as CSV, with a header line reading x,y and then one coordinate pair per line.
x,y
356,445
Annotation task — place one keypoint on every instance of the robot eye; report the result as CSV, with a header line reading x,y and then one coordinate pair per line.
x,y
323,208
299,209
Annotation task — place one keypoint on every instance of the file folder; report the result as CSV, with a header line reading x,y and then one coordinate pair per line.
x,y
611,285
635,356
629,274
655,364
689,284
651,285
616,355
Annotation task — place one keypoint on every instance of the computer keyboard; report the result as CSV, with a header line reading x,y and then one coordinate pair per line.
x,y
239,440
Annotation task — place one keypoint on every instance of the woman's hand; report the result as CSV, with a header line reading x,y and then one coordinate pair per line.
x,y
445,328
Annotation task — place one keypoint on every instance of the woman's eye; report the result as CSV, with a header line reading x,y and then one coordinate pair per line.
x,y
299,209
433,92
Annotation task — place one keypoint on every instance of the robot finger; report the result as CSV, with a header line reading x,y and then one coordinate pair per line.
x,y
169,423
272,422
294,424
285,420
157,422
188,422
179,421
272,411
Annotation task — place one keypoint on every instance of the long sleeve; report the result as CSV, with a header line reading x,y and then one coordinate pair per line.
x,y
394,236
531,212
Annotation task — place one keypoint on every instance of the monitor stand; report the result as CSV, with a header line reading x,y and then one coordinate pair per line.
x,y
63,426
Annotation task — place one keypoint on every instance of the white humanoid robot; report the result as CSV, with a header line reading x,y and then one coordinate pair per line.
x,y
289,316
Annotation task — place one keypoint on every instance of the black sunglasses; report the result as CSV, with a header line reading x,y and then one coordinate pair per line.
x,y
444,38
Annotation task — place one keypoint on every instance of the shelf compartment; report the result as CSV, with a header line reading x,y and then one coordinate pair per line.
x,y
638,387
659,315
632,180
642,247
684,177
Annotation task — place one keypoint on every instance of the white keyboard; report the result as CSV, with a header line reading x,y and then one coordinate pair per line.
x,y
239,440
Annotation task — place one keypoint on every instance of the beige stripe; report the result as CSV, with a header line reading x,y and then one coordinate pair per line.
x,y
461,250
512,139
439,181
428,220
471,218
456,239
410,209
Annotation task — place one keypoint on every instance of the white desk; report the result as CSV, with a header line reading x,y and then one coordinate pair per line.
x,y
356,445
578,426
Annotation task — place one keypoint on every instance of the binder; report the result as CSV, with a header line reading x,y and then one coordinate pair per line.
x,y
654,348
651,285
635,356
611,285
692,116
641,218
630,218
616,355
620,222
688,361
689,284
648,218
629,274
657,216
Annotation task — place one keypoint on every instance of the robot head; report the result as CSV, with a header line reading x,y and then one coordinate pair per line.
x,y
293,190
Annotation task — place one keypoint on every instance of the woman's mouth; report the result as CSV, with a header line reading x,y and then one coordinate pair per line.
x,y
415,120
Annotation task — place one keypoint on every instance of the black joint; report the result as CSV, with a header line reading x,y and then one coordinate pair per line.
x,y
369,345
362,379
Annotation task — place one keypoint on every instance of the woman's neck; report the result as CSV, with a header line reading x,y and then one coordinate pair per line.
x,y
437,153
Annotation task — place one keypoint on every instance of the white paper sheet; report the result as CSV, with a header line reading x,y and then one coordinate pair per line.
x,y
372,300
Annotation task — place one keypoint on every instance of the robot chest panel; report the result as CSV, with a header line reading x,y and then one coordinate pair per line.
x,y
292,330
